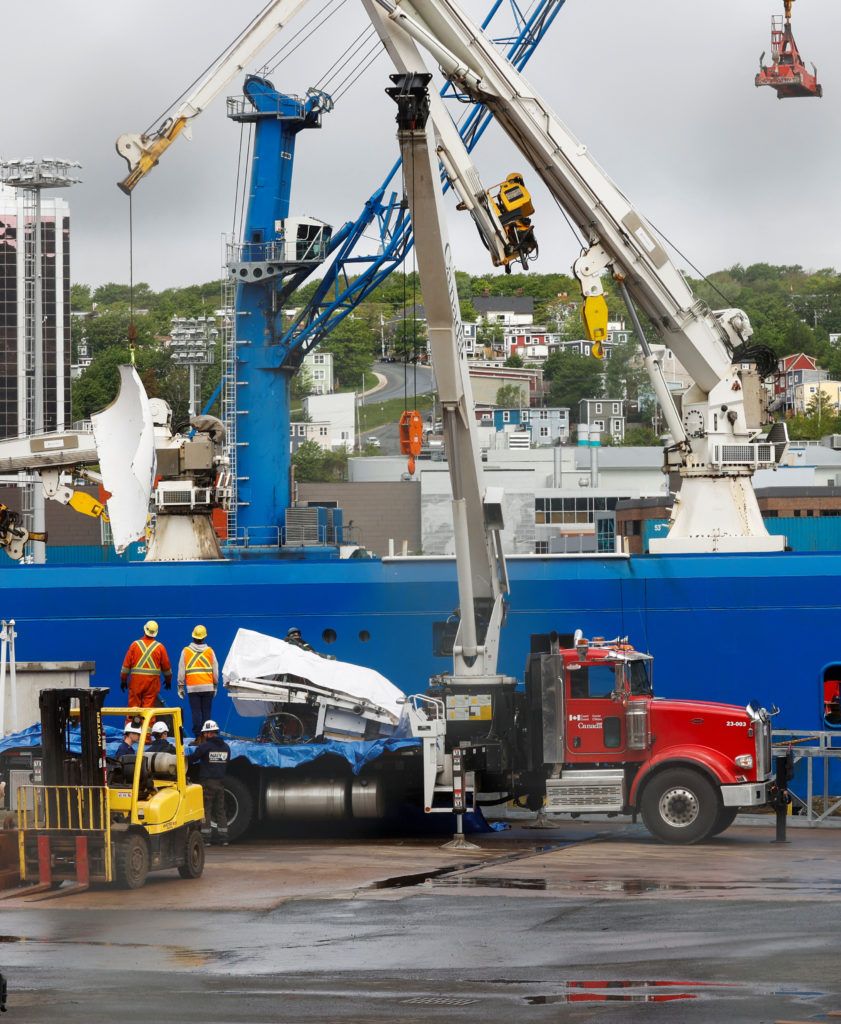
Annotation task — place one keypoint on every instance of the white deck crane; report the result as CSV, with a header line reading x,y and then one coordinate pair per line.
x,y
122,445
717,444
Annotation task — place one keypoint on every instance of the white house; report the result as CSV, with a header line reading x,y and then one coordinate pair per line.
x,y
339,412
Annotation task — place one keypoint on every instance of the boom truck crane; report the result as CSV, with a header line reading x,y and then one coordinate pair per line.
x,y
587,734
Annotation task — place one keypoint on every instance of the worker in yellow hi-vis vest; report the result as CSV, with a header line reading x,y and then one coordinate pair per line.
x,y
198,676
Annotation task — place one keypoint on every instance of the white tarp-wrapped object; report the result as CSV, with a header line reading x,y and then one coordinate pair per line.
x,y
254,656
125,445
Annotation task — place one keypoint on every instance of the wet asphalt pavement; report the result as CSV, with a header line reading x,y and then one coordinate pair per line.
x,y
518,946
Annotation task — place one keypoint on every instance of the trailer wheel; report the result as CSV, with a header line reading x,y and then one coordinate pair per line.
x,y
726,817
194,857
679,805
132,861
239,804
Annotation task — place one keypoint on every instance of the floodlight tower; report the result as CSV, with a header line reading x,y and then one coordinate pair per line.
x,y
193,344
32,177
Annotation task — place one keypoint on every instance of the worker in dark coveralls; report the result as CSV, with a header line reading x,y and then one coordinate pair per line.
x,y
293,636
160,743
212,755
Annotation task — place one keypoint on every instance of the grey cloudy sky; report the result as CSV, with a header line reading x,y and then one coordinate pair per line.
x,y
660,90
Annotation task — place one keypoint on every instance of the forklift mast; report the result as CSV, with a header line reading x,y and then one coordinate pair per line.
x,y
63,765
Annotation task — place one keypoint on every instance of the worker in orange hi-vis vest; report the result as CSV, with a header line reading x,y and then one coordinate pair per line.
x,y
198,675
145,662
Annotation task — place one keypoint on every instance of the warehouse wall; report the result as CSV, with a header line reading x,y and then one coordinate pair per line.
x,y
378,511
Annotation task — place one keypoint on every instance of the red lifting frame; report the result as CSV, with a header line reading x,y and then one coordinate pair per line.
x,y
787,72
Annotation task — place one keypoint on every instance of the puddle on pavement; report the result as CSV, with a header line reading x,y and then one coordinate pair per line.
x,y
492,882
628,992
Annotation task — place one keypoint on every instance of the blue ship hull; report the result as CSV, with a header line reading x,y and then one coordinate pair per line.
x,y
721,627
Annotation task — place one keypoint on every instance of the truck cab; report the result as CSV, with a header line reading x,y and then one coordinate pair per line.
x,y
594,730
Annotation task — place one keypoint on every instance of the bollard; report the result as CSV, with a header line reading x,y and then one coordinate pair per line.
x,y
781,798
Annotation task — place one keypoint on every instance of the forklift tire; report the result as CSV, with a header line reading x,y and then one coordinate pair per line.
x,y
193,865
239,804
132,861
726,817
680,805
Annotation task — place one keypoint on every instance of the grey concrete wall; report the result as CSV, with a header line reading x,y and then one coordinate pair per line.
x,y
378,511
34,676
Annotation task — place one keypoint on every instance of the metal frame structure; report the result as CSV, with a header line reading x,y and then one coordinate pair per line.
x,y
339,292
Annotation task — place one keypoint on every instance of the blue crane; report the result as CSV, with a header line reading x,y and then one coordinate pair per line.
x,y
275,255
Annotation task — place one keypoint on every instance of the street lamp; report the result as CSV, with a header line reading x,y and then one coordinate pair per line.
x,y
34,176
193,344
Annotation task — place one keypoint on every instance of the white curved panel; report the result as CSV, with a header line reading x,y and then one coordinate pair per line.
x,y
125,444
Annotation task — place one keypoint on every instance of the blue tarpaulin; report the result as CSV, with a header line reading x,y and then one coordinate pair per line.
x,y
264,755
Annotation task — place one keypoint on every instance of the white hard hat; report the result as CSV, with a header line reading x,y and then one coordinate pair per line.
x,y
131,727
159,727
210,726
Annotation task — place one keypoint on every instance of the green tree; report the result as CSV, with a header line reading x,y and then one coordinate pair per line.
x,y
819,419
308,461
301,384
624,374
409,338
514,361
80,297
353,344
510,396
639,435
573,377
468,311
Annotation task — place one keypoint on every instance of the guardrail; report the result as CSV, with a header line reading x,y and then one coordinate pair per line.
x,y
812,746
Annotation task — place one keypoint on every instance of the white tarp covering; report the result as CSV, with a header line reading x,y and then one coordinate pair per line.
x,y
254,656
125,444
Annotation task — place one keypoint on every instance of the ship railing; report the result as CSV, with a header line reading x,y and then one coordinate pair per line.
x,y
818,749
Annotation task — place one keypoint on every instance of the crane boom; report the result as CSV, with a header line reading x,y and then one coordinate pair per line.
x,y
482,578
141,151
720,447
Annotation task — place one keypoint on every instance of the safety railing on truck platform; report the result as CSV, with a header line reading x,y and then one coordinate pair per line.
x,y
811,746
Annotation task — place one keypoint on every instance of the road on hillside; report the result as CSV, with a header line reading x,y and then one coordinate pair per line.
x,y
418,380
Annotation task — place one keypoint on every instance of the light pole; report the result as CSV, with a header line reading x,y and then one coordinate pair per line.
x,y
34,176
193,344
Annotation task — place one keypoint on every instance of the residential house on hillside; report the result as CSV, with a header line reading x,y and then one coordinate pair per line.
x,y
319,367
486,380
542,426
804,393
606,415
793,371
508,310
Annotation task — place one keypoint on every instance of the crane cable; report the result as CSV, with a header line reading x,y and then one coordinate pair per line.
x,y
132,326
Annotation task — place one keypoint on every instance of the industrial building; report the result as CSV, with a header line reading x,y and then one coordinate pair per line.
x,y
17,359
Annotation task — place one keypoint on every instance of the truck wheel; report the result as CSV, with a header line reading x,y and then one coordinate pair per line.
x,y
194,857
239,803
726,817
679,805
132,861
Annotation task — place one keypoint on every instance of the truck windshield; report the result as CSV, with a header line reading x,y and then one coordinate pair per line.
x,y
639,678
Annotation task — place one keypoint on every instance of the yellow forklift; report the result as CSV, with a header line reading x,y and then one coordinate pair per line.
x,y
91,818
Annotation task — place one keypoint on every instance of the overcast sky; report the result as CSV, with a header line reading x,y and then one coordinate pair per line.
x,y
660,90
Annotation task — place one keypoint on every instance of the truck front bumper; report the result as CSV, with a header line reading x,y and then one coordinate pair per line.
x,y
749,794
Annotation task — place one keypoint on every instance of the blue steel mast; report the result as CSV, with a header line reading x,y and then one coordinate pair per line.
x,y
276,253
